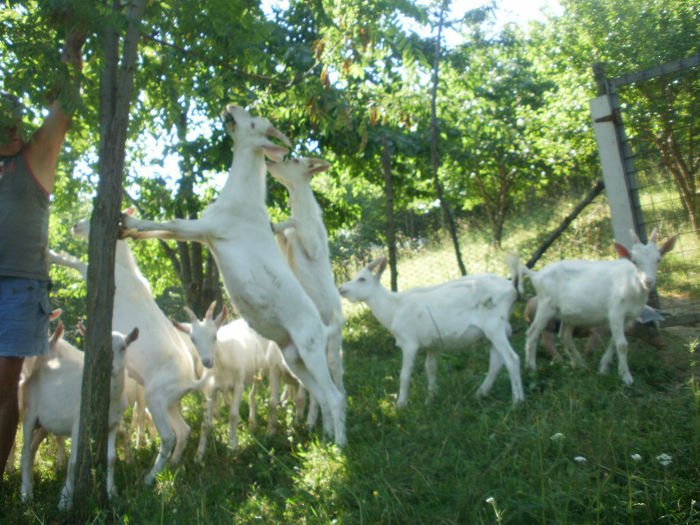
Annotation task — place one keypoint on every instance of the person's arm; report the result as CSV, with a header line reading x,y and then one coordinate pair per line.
x,y
44,147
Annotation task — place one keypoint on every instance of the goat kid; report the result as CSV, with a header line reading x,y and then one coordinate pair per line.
x,y
58,347
236,355
52,404
454,314
593,293
259,282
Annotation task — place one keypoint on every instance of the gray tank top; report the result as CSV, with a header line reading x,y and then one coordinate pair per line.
x,y
24,221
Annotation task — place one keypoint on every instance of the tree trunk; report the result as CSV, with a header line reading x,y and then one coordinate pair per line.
x,y
390,227
434,132
115,94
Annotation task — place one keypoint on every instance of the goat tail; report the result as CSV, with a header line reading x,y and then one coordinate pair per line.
x,y
517,272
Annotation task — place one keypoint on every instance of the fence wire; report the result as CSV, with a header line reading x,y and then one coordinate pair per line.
x,y
660,199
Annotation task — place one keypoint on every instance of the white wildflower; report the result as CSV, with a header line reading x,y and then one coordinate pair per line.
x,y
580,459
664,459
490,500
557,437
636,457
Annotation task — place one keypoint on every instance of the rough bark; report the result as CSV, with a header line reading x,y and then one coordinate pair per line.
x,y
434,154
390,224
115,93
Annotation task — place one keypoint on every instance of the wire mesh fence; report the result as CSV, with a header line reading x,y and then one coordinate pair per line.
x,y
666,158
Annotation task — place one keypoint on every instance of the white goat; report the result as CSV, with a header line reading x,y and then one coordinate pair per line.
x,y
454,314
159,360
592,293
237,355
303,240
236,229
52,404
58,348
641,328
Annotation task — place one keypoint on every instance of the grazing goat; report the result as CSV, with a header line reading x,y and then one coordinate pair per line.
x,y
304,242
52,404
159,360
452,315
262,287
236,355
592,293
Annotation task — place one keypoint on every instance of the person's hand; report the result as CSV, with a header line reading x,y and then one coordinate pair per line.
x,y
72,47
75,35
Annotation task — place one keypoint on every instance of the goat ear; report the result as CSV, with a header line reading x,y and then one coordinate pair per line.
x,y
183,327
129,211
668,245
621,250
382,267
371,266
81,328
190,314
55,314
133,336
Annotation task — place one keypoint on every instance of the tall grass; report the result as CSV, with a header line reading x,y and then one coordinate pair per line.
x,y
583,448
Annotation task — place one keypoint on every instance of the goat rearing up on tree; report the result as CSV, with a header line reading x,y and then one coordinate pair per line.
x,y
236,228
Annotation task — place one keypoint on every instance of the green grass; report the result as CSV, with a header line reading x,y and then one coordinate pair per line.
x,y
439,463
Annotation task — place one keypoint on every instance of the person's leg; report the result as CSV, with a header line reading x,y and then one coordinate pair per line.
x,y
10,369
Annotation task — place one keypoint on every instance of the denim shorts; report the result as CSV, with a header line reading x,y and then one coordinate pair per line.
x,y
24,317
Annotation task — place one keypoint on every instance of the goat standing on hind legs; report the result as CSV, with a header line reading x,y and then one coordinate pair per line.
x,y
592,293
262,287
303,240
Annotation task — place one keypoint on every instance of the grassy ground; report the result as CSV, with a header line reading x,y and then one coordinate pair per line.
x,y
583,448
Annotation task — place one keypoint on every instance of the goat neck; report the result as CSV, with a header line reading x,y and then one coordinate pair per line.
x,y
302,201
246,176
384,304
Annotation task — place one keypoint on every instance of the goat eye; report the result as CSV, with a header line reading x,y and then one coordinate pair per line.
x,y
252,125
361,279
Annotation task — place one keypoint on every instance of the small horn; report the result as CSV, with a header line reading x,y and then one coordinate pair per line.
x,y
210,310
654,233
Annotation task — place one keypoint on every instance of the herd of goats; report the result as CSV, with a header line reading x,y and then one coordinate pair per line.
x,y
280,281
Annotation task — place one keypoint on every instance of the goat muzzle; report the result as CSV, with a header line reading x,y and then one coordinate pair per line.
x,y
274,132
